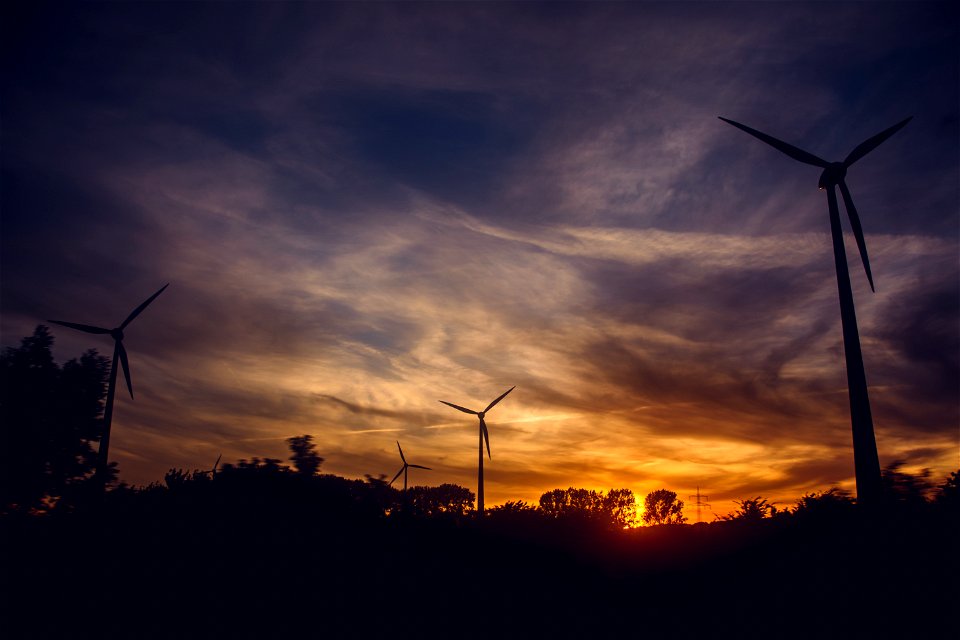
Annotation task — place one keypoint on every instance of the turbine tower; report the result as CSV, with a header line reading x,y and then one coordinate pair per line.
x,y
865,459
119,353
404,468
484,436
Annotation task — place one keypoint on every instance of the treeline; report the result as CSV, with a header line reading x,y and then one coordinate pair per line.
x,y
261,548
271,487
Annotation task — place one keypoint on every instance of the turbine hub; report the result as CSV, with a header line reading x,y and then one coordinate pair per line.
x,y
481,414
832,175
117,334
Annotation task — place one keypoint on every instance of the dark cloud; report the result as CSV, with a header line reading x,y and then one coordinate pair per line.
x,y
922,328
722,304
451,143
413,418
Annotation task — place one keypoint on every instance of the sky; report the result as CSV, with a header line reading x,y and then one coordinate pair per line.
x,y
363,209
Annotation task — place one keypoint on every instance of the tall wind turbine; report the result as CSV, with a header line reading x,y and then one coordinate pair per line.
x,y
865,460
119,353
484,436
404,468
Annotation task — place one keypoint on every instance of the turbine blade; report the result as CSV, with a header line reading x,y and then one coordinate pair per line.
x,y
780,145
126,367
217,463
504,395
486,436
397,476
136,312
459,408
401,453
417,466
870,144
80,327
857,230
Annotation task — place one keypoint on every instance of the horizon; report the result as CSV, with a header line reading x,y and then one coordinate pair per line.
x,y
363,210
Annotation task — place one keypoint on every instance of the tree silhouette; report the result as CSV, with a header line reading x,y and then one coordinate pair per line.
x,y
512,507
751,510
444,500
254,469
617,508
620,507
903,490
304,456
948,493
663,507
380,493
577,503
181,479
49,418
824,505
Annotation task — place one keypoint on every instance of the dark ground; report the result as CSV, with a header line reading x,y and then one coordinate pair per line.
x,y
269,570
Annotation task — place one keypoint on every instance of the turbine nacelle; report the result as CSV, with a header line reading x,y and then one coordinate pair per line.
x,y
403,469
832,175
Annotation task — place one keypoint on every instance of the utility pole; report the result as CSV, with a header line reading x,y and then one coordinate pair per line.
x,y
701,502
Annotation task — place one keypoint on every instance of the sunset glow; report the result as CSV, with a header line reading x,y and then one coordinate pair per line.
x,y
364,209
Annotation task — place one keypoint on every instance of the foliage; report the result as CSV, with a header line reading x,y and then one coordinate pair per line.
x,y
620,507
903,490
829,504
948,493
381,493
181,479
751,510
516,516
304,456
444,500
570,502
257,465
513,506
663,507
616,509
49,419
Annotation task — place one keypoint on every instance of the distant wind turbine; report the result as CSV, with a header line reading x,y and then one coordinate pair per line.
x,y
213,471
119,353
865,459
404,468
484,436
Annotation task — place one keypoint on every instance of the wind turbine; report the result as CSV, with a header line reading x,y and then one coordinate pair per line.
x,y
213,471
865,460
404,468
119,353
484,436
